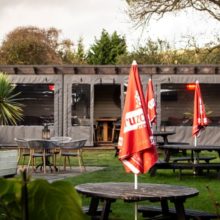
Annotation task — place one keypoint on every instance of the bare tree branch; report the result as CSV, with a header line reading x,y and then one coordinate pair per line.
x,y
141,11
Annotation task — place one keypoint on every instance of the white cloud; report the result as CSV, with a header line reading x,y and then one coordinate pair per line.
x,y
87,18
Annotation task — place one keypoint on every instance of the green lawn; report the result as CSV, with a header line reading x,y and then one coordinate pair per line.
x,y
114,172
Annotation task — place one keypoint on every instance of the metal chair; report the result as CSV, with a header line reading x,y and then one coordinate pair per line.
x,y
42,149
116,131
23,149
58,140
72,149
97,129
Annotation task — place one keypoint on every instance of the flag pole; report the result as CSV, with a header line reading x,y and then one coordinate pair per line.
x,y
194,154
135,181
135,187
195,141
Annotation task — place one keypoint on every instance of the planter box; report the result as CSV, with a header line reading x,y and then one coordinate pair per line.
x,y
8,162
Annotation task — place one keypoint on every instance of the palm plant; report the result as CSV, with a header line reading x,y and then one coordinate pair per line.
x,y
10,110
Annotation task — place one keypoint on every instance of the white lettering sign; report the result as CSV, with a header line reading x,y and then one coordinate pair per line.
x,y
134,120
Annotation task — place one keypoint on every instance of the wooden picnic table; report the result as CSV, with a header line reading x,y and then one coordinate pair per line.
x,y
168,148
164,135
194,162
109,192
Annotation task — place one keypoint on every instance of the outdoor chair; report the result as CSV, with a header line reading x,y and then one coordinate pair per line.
x,y
43,149
23,149
116,130
72,149
97,132
57,140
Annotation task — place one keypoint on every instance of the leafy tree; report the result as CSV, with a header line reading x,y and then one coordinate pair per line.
x,y
80,53
66,52
106,49
30,45
10,109
71,56
142,10
154,52
160,52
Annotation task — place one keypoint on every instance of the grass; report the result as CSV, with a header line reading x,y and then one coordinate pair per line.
x,y
114,172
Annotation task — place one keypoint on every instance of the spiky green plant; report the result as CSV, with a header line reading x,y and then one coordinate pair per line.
x,y
10,109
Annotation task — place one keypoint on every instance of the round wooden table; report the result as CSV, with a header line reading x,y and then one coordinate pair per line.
x,y
110,192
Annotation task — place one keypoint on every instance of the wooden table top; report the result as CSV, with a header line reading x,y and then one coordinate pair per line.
x,y
163,133
126,191
106,119
189,147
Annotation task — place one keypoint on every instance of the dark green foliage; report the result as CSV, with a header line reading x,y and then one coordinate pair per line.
x,y
55,201
106,49
10,109
10,197
46,201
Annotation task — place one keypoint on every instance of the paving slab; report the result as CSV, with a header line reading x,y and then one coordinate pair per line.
x,y
61,174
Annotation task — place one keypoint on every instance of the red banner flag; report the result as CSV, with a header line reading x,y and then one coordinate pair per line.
x,y
137,149
200,120
150,102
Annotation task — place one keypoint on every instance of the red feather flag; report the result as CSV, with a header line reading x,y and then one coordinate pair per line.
x,y
137,149
200,120
150,102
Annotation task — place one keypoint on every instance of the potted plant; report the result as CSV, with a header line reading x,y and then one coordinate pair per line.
x,y
10,113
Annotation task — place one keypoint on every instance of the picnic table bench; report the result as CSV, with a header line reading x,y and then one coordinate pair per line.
x,y
199,167
152,211
189,159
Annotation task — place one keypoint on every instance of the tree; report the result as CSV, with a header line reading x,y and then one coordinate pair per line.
x,y
70,55
30,45
142,11
10,109
80,52
66,52
106,49
153,52
160,52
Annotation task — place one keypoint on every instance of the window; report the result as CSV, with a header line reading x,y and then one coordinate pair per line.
x,y
80,104
177,103
107,101
38,103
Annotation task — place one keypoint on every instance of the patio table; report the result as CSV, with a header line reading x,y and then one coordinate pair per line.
x,y
164,135
44,146
109,192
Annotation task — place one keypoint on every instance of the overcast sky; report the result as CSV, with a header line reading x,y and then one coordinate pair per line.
x,y
87,18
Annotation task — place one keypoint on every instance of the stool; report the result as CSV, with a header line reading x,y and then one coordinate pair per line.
x,y
115,131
